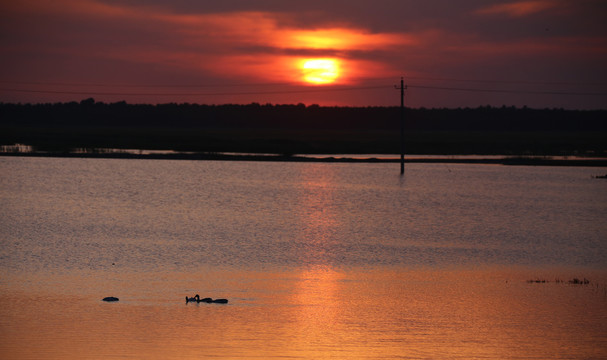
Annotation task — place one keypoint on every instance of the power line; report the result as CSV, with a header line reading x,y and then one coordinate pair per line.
x,y
509,91
446,79
133,85
97,93
516,82
422,78
303,91
499,81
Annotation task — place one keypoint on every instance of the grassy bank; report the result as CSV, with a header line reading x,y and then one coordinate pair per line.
x,y
290,142
505,160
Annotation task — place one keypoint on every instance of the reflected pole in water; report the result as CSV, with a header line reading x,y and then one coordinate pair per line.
x,y
402,124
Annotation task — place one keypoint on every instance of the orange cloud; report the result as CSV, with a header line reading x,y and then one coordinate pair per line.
x,y
519,9
343,39
235,44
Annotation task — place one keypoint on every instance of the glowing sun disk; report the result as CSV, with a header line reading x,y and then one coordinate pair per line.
x,y
320,71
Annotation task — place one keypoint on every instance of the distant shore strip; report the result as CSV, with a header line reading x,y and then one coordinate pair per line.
x,y
449,159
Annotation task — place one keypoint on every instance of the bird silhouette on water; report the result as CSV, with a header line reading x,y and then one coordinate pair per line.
x,y
196,298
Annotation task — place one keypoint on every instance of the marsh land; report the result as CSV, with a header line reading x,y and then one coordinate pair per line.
x,y
288,130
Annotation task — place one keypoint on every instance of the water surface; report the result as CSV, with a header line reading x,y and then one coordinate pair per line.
x,y
318,260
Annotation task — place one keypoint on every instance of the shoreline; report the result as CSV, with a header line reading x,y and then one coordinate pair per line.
x,y
336,158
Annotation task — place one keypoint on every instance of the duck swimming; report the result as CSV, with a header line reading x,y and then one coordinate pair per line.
x,y
192,299
207,300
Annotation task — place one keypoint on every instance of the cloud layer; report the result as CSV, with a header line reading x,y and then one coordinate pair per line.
x,y
122,47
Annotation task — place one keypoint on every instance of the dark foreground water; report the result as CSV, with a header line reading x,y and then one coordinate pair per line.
x,y
318,260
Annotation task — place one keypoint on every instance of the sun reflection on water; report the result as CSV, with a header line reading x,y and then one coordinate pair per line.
x,y
318,214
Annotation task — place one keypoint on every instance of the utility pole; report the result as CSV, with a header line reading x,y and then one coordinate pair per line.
x,y
402,124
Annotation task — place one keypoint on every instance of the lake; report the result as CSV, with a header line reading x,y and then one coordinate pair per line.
x,y
318,260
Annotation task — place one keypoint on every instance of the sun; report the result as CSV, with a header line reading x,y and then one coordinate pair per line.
x,y
320,71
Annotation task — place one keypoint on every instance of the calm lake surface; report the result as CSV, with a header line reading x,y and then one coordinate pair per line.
x,y
337,261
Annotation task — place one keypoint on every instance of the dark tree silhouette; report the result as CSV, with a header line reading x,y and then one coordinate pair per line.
x,y
292,129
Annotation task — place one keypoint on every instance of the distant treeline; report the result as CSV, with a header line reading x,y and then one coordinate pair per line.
x,y
291,129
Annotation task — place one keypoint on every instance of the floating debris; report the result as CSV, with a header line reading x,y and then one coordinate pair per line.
x,y
574,281
577,281
537,281
110,299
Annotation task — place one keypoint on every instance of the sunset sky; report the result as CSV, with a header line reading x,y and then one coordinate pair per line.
x,y
465,53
